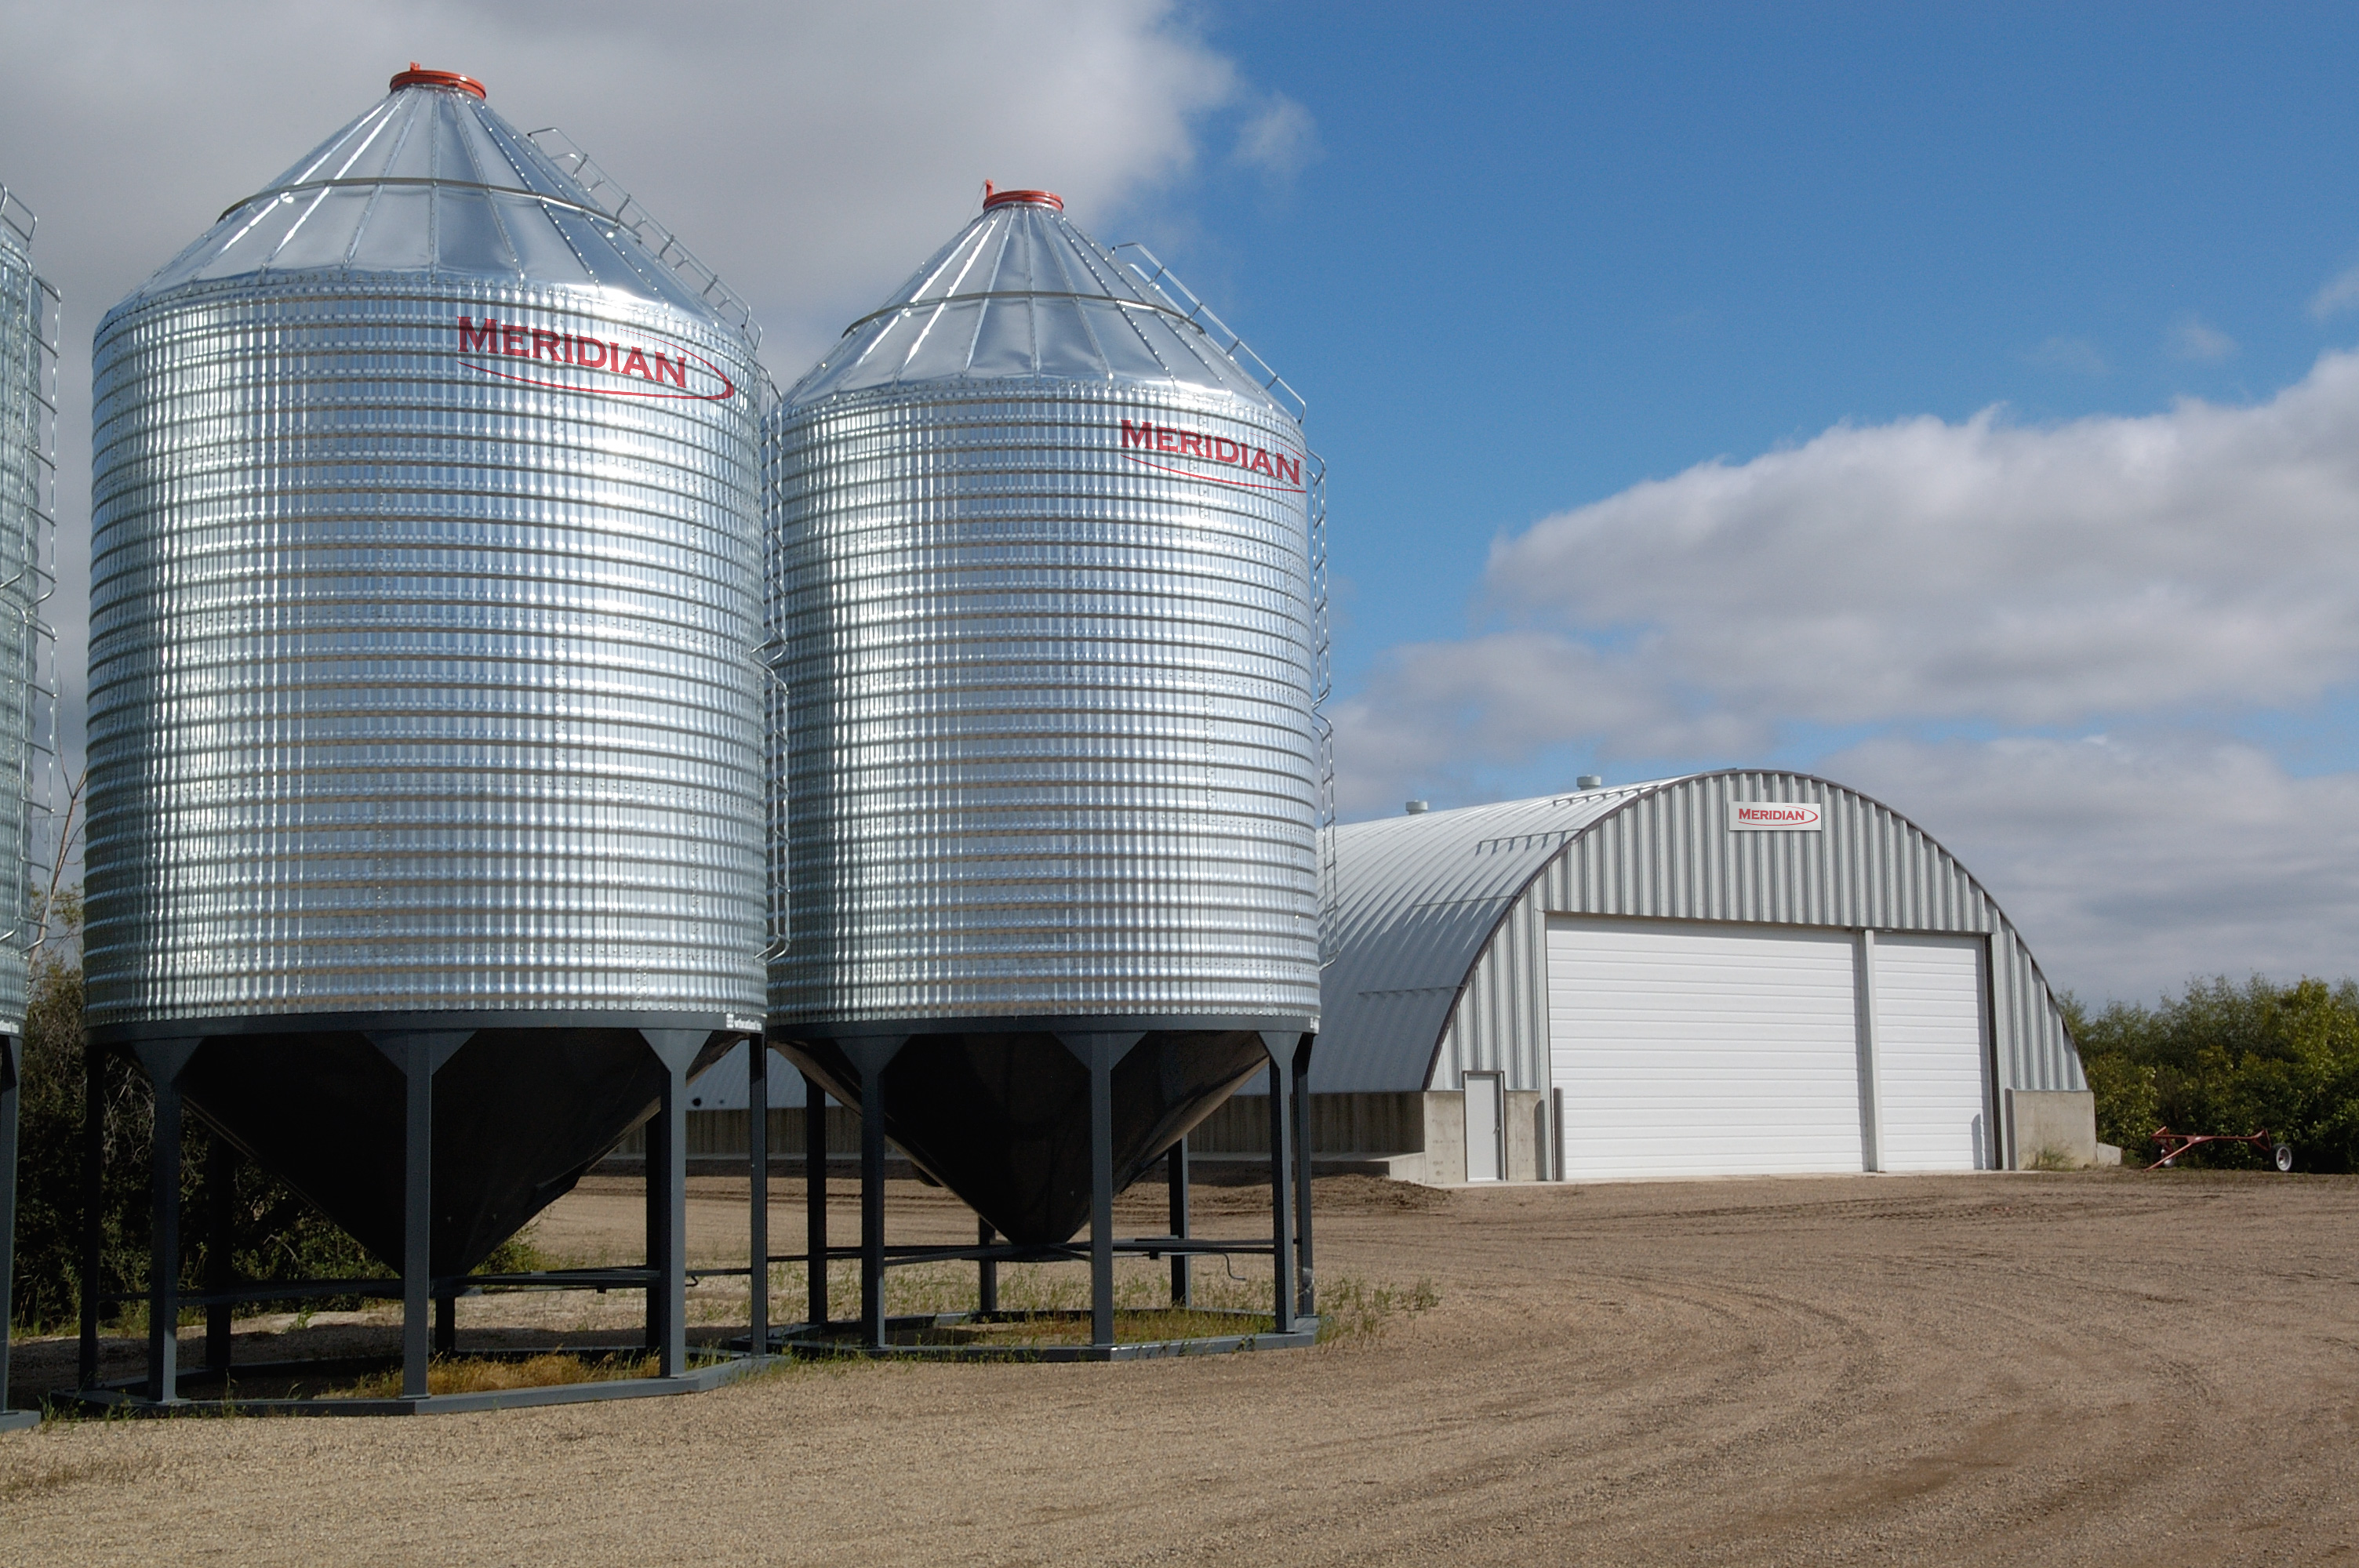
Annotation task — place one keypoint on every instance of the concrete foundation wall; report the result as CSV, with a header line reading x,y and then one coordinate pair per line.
x,y
1340,1124
1524,1135
2060,1123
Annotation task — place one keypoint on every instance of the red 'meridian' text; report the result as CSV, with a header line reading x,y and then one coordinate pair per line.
x,y
566,348
1147,436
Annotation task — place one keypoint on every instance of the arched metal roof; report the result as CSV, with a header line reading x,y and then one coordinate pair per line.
x,y
1416,901
1423,903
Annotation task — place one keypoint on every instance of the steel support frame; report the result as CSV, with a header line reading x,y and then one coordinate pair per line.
x,y
1293,1292
429,1315
815,1197
675,1050
1101,1054
757,1195
1175,1176
1282,1167
12,1057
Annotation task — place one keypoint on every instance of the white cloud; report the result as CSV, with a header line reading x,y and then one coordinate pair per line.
x,y
2077,355
1437,718
2116,572
1281,139
2130,867
2338,294
814,153
2190,339
1979,570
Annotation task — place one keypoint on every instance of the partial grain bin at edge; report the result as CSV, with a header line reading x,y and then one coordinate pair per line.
x,y
28,316
1042,603
422,689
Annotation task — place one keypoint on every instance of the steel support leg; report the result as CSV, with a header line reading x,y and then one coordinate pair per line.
x,y
93,1199
418,1056
757,1201
815,1196
1101,1054
11,1054
657,1219
872,1204
164,1250
986,1288
1101,1198
1183,1278
1306,1295
221,1237
668,1210
1281,1174
417,1219
446,1324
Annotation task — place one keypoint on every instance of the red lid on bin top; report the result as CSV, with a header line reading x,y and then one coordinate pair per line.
x,y
418,76
992,198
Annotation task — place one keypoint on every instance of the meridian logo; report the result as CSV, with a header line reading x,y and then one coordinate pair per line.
x,y
1284,473
1773,816
626,370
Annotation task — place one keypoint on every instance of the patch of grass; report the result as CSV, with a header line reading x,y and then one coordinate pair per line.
x,y
35,1478
1353,1311
477,1374
2051,1158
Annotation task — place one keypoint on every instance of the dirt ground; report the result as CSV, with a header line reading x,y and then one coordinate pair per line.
x,y
2096,1367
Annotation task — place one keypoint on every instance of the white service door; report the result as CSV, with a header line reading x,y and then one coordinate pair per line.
x,y
1482,1126
1685,1048
1931,1047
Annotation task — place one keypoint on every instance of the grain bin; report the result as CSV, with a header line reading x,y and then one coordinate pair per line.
x,y
28,319
28,323
1042,607
425,723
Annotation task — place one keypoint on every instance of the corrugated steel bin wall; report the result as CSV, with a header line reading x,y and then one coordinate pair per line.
x,y
27,480
427,690
1049,736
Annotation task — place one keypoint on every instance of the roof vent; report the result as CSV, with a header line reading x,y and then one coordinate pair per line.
x,y
993,197
1590,780
1415,808
418,76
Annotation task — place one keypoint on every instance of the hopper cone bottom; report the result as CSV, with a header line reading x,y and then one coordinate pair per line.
x,y
519,1115
1003,1119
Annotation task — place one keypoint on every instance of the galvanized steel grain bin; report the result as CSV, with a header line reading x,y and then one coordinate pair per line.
x,y
423,697
28,318
1041,608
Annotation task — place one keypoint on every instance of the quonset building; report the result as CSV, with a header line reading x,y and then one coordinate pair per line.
x,y
1731,973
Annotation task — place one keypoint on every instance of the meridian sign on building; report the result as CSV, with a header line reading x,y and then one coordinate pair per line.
x,y
1773,816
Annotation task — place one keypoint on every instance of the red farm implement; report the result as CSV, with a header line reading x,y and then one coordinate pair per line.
x,y
2174,1144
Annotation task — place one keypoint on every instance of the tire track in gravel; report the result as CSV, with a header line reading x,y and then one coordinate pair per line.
x,y
1893,1369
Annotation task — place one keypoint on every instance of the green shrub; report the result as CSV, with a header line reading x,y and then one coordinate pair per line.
x,y
2228,1058
276,1236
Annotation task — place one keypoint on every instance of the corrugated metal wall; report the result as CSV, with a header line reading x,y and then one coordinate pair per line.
x,y
1669,853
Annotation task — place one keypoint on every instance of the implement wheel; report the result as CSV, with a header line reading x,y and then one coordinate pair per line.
x,y
2283,1156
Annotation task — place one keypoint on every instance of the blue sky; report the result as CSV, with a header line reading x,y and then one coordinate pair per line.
x,y
1543,257
1954,400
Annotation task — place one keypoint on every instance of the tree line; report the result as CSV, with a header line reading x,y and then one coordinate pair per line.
x,y
2229,1057
274,1233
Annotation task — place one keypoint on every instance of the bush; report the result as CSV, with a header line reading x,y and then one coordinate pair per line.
x,y
2228,1058
275,1235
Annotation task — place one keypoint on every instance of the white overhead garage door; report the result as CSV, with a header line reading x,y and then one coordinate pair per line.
x,y
1684,1048
1929,1033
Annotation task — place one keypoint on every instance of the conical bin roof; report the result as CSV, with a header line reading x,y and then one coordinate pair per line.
x,y
431,180
1022,292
